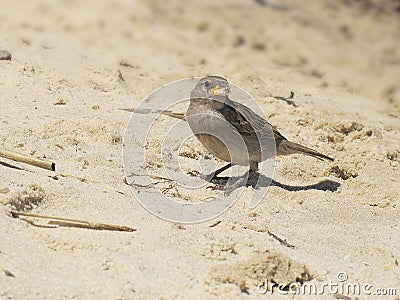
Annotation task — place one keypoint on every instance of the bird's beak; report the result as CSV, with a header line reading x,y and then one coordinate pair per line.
x,y
220,90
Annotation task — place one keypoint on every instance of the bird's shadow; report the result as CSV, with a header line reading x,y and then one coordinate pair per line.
x,y
264,181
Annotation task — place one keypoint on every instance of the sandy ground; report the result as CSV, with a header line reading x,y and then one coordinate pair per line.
x,y
75,64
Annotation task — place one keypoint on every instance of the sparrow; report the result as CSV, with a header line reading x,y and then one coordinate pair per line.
x,y
233,132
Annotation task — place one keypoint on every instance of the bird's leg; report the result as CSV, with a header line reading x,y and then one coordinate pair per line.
x,y
253,167
214,174
250,176
210,177
253,173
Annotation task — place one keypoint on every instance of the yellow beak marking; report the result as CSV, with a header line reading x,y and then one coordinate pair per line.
x,y
215,90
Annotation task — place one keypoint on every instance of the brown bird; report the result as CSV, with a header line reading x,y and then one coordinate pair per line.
x,y
233,132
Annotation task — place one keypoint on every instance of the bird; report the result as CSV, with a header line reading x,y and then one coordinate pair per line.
x,y
233,132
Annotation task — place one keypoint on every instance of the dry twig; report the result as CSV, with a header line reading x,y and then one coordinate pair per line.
x,y
41,163
66,222
88,181
215,224
281,241
169,113
288,100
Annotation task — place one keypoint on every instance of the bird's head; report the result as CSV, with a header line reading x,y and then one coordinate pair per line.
x,y
211,87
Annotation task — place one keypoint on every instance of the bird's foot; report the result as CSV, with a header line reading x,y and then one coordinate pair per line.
x,y
194,173
208,178
228,189
250,178
216,187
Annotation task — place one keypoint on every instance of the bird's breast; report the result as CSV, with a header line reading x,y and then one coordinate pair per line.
x,y
218,136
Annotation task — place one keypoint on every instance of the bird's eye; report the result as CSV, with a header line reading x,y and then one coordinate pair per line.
x,y
207,84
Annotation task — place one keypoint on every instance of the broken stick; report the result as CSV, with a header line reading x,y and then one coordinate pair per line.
x,y
41,163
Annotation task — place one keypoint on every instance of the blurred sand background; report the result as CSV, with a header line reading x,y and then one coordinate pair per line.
x,y
75,64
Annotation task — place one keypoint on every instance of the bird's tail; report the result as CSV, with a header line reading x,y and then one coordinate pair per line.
x,y
287,148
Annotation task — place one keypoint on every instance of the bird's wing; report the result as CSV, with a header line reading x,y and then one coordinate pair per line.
x,y
247,122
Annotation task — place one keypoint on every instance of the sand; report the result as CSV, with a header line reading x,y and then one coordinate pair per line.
x,y
74,65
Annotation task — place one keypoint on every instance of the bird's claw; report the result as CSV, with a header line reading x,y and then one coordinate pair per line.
x,y
205,177
194,173
227,189
216,187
